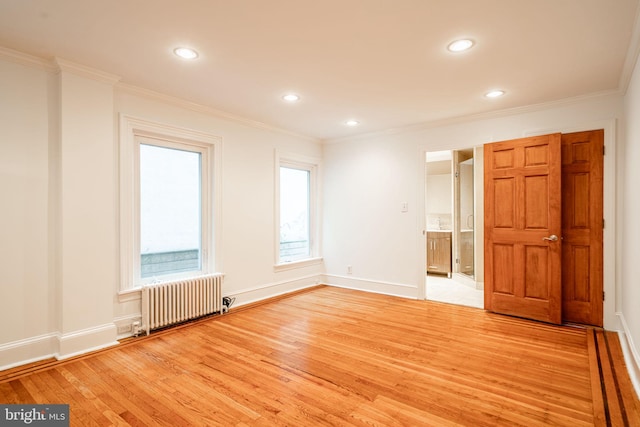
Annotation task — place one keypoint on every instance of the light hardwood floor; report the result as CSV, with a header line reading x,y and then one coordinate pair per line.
x,y
331,356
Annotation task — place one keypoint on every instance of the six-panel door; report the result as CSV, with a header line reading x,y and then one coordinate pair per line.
x,y
523,248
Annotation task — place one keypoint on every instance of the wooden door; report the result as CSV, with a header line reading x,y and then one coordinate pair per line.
x,y
522,183
582,213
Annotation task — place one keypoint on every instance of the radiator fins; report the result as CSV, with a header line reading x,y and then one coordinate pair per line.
x,y
169,303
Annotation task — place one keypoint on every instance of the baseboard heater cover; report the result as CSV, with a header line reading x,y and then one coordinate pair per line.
x,y
168,303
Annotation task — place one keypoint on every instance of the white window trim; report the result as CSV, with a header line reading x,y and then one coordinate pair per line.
x,y
131,128
314,165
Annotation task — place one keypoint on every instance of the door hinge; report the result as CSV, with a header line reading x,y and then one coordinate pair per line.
x,y
603,223
602,295
604,150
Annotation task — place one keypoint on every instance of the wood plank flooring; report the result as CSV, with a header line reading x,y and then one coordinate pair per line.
x,y
339,357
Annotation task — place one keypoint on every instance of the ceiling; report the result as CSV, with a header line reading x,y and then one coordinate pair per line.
x,y
381,62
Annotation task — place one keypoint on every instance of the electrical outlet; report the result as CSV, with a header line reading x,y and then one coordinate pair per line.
x,y
349,269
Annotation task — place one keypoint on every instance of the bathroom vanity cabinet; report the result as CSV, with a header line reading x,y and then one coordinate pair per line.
x,y
439,252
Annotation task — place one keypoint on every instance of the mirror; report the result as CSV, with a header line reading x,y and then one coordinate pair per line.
x,y
463,204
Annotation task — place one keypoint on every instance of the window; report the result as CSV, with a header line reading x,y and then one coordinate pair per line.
x,y
297,217
169,203
170,209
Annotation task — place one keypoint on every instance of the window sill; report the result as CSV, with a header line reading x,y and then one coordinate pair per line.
x,y
297,264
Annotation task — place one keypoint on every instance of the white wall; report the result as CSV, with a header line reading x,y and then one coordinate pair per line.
x,y
59,225
86,203
439,195
630,223
367,178
366,183
25,310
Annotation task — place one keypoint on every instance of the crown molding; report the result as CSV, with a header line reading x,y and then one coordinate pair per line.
x,y
57,65
84,71
200,108
496,114
26,59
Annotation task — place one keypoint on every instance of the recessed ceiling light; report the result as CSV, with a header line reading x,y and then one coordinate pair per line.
x,y
460,45
291,97
494,94
185,53
352,123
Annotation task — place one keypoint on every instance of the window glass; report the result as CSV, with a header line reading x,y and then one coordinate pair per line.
x,y
295,240
170,211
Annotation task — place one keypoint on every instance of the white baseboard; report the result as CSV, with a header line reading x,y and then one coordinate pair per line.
x,y
631,354
60,346
28,350
387,288
86,340
271,290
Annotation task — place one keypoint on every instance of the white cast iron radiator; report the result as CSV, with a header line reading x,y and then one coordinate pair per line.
x,y
168,303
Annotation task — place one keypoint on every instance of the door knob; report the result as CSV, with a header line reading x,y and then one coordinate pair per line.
x,y
552,238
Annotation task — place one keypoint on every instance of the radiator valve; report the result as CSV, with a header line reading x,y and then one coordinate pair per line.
x,y
136,328
226,303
